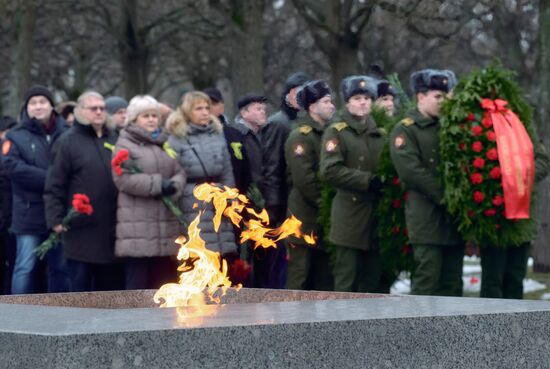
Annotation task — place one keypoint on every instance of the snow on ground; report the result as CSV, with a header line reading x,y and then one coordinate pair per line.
x,y
471,279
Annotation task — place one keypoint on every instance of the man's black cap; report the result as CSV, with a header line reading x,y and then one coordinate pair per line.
x,y
38,90
214,94
249,99
295,80
432,79
312,92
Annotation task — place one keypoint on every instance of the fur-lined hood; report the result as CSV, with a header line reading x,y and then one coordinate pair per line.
x,y
181,128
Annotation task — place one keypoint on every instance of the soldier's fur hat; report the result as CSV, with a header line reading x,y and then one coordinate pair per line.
x,y
312,92
355,85
432,79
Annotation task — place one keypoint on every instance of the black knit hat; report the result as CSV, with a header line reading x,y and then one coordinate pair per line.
x,y
38,90
249,99
295,80
432,79
312,92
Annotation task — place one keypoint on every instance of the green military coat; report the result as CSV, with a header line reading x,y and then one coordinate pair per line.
x,y
414,149
302,156
349,160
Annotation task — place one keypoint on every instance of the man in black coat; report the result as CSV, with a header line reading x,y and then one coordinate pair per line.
x,y
7,239
82,164
26,158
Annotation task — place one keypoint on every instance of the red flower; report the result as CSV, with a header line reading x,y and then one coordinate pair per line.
x,y
491,136
477,130
406,249
462,146
406,196
239,271
396,204
487,121
81,204
477,146
476,178
495,173
471,117
474,280
120,157
479,197
478,163
490,212
406,232
471,214
395,230
492,154
497,226
395,181
498,200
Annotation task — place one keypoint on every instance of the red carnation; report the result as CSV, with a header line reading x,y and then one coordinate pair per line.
x,y
492,154
476,178
395,230
478,197
491,136
396,204
487,121
498,200
81,204
477,146
406,249
470,214
495,173
462,146
120,157
478,163
406,232
490,212
477,130
395,181
471,117
406,196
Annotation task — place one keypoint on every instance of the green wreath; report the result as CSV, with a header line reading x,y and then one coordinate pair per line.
x,y
471,171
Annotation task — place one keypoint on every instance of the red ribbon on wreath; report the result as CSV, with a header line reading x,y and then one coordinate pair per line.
x,y
515,155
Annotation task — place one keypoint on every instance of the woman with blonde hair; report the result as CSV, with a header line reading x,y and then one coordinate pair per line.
x,y
146,229
197,137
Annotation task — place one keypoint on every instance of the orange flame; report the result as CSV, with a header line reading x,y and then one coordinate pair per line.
x,y
203,270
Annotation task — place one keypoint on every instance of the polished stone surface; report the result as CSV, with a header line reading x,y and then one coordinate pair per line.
x,y
385,332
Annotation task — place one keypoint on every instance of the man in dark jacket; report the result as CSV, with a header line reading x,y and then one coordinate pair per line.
x,y
274,136
82,164
26,152
7,239
235,142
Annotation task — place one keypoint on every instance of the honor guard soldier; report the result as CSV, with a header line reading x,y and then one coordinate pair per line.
x,y
308,267
349,162
438,248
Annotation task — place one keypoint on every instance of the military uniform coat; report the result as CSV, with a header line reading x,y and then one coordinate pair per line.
x,y
414,149
349,160
302,154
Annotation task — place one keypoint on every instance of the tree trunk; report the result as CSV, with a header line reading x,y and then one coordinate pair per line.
x,y
134,53
541,250
247,73
343,61
22,56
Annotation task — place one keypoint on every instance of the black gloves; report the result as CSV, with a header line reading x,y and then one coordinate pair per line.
x,y
168,187
375,184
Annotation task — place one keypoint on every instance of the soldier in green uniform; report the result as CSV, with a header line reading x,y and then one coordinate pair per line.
x,y
438,248
308,266
349,159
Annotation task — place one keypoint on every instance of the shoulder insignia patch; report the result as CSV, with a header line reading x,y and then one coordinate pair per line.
x,y
304,129
399,142
6,146
331,145
340,126
407,122
299,149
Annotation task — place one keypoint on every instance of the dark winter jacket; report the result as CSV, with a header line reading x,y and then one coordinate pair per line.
x,y
274,135
240,162
26,159
253,146
82,164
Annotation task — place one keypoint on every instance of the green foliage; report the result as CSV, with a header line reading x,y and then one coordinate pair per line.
x,y
459,115
325,206
392,233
